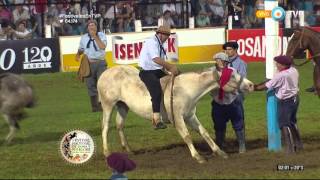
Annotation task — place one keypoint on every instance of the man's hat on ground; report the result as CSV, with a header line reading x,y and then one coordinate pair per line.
x,y
164,30
120,162
221,55
284,60
232,44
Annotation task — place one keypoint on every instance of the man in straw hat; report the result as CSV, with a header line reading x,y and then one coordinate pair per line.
x,y
285,84
93,45
120,163
152,65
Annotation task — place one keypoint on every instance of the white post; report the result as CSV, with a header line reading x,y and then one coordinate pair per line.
x,y
272,45
48,31
191,22
272,33
287,21
301,18
229,22
137,26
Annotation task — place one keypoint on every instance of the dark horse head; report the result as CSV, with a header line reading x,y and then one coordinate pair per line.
x,y
306,38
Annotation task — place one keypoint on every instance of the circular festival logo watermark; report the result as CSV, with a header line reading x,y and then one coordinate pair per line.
x,y
77,147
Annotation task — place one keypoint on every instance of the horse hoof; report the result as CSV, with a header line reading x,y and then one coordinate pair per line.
x,y
222,154
106,153
201,160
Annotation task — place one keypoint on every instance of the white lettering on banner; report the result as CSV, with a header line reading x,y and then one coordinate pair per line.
x,y
11,59
256,47
39,57
37,65
128,52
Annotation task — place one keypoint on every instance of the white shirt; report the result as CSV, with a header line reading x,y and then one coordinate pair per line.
x,y
285,83
149,51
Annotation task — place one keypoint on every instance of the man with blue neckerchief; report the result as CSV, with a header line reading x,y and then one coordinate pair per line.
x,y
93,45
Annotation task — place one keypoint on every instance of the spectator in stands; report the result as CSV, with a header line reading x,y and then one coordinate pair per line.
x,y
173,12
310,17
202,20
22,32
20,13
6,31
148,19
166,20
123,13
249,13
293,4
5,13
216,12
102,21
235,10
283,4
259,22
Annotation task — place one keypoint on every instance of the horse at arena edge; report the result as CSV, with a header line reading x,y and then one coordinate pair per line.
x,y
307,39
15,95
121,86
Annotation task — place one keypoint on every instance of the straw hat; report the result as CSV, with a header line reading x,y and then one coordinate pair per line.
x,y
164,30
120,162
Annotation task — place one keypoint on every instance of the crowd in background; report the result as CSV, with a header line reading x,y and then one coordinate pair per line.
x,y
22,19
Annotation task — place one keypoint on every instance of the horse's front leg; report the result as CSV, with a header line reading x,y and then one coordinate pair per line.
x,y
13,125
184,133
195,124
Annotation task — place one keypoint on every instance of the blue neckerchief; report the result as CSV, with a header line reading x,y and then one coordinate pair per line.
x,y
161,47
92,40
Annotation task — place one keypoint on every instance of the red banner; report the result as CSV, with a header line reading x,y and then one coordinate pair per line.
x,y
252,46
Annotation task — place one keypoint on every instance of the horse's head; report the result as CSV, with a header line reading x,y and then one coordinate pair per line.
x,y
298,43
236,82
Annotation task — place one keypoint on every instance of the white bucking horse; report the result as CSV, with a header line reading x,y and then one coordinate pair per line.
x,y
188,88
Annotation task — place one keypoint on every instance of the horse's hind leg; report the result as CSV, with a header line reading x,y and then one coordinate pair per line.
x,y
195,124
13,125
107,110
122,109
184,133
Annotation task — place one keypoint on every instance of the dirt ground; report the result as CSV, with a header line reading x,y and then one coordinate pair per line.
x,y
175,161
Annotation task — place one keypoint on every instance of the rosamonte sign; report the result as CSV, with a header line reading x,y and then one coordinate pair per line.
x,y
252,46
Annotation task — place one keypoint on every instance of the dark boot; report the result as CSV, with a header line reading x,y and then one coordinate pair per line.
x,y
157,123
296,138
287,140
220,135
95,106
241,140
311,89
